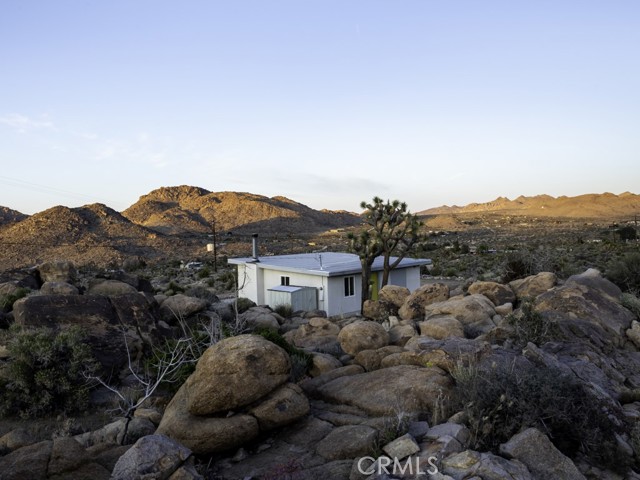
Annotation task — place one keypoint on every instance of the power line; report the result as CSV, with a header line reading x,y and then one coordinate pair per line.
x,y
37,187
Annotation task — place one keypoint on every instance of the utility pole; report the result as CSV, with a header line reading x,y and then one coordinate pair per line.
x,y
215,245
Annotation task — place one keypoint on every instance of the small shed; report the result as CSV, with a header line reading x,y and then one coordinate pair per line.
x,y
300,298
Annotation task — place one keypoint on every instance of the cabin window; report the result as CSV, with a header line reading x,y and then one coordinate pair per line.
x,y
349,286
284,280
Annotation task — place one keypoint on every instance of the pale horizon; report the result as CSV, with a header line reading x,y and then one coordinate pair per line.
x,y
327,103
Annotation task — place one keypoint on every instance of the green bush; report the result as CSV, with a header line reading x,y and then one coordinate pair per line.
x,y
204,272
531,326
228,280
175,287
193,346
301,361
7,301
284,310
244,304
504,399
626,272
517,265
46,372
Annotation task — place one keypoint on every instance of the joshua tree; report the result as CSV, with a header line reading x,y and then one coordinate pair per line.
x,y
368,247
393,232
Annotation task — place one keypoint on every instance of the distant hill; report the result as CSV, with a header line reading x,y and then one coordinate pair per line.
x,y
186,209
8,216
604,205
89,234
167,222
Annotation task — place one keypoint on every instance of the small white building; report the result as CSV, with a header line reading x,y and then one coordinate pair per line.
x,y
326,281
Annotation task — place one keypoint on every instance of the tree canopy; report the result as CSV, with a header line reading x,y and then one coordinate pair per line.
x,y
391,231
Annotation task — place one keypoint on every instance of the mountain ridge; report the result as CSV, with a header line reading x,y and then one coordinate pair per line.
x,y
590,205
184,209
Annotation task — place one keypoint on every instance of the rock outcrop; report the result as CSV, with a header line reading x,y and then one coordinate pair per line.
x,y
239,374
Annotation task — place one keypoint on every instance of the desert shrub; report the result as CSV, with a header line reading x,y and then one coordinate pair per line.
x,y
517,265
203,293
244,304
504,399
175,287
204,272
228,280
450,272
631,302
301,361
394,425
7,301
531,326
625,272
46,372
162,354
284,310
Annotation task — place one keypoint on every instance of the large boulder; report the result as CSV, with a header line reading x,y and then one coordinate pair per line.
x,y
394,294
236,372
442,327
61,271
27,462
496,292
362,335
232,395
322,363
486,466
112,288
413,306
474,312
534,285
15,439
58,288
107,324
588,306
60,459
378,310
281,407
205,434
261,318
404,388
450,353
542,458
371,359
319,334
348,441
180,306
154,456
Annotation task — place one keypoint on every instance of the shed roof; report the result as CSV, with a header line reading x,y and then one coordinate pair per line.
x,y
327,264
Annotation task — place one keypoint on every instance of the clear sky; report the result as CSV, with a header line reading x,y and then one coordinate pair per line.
x,y
328,102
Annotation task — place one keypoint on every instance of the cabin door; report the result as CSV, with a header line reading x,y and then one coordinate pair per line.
x,y
373,282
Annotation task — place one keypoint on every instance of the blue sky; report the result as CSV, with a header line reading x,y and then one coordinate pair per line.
x,y
327,102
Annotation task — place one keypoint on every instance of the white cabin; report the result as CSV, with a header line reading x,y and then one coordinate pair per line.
x,y
327,281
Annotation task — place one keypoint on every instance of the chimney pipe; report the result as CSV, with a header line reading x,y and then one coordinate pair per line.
x,y
255,247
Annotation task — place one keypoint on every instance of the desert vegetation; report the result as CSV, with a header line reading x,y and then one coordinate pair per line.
x,y
514,344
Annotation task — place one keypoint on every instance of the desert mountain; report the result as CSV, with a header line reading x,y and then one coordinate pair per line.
x,y
186,209
8,216
582,206
93,233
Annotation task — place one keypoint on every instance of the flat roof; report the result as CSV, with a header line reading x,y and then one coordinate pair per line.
x,y
286,288
327,264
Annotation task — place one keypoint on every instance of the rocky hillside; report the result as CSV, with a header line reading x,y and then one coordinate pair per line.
x,y
602,205
529,380
8,216
186,209
90,234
